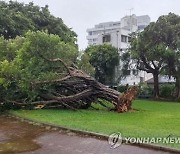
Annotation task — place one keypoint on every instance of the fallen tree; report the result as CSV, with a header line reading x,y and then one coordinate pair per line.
x,y
42,74
77,90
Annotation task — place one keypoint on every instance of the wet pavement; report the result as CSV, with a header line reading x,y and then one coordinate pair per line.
x,y
21,137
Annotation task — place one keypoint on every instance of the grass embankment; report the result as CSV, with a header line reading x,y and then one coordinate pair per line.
x,y
154,119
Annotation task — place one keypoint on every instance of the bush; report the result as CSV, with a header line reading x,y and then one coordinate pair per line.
x,y
145,91
167,90
4,107
122,88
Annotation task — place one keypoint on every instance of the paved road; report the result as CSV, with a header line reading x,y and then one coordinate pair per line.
x,y
20,137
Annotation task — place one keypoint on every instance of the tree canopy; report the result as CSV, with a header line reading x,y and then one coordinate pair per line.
x,y
104,58
85,65
17,18
151,48
24,61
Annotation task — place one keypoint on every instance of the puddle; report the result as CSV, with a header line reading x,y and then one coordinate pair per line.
x,y
18,137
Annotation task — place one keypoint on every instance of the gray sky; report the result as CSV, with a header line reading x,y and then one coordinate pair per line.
x,y
83,14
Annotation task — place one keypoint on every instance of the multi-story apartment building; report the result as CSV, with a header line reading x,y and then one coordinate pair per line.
x,y
118,34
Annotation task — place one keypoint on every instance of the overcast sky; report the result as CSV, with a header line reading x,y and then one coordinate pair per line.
x,y
83,14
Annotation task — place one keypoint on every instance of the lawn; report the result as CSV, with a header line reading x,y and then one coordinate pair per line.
x,y
153,119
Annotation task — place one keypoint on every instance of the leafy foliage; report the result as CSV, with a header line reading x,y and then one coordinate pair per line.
x,y
29,63
167,91
122,88
145,91
126,59
17,18
84,64
157,44
104,58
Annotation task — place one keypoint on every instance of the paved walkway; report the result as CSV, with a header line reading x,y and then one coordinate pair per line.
x,y
20,137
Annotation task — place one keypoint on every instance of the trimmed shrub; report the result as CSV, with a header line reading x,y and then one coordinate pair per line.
x,y
167,90
145,91
122,88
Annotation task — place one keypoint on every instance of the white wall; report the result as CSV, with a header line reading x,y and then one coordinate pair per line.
x,y
124,27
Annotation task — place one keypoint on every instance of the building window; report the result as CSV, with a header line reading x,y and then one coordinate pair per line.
x,y
129,39
106,38
141,79
141,65
127,72
135,72
90,40
90,33
123,38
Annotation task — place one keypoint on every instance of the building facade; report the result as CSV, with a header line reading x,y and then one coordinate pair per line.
x,y
118,34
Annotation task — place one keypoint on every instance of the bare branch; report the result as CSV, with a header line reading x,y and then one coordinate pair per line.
x,y
56,60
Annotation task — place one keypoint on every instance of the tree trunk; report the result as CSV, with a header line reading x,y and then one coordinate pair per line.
x,y
156,84
178,88
78,90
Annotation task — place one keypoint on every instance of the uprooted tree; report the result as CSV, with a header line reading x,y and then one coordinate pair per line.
x,y
38,71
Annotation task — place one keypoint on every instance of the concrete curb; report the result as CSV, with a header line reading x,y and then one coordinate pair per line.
x,y
91,134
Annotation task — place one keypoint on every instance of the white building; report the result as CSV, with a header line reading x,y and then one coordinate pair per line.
x,y
117,34
143,21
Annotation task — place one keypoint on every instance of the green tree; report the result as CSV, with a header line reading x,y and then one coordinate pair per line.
x,y
33,62
104,58
17,18
173,67
177,70
8,70
150,48
171,37
84,64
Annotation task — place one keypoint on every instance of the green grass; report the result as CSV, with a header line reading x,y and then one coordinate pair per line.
x,y
153,119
